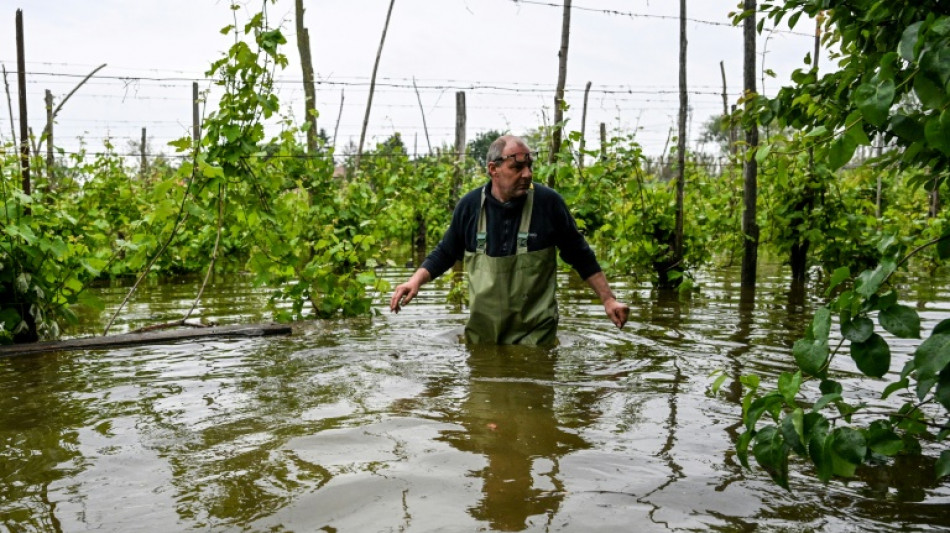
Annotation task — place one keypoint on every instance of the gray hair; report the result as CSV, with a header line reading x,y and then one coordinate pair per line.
x,y
498,146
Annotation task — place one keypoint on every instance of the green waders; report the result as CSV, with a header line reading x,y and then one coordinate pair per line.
x,y
512,298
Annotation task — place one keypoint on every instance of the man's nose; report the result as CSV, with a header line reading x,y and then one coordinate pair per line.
x,y
526,172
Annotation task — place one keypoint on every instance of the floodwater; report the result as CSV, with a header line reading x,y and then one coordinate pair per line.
x,y
390,424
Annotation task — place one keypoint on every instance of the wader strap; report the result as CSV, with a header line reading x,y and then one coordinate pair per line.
x,y
480,235
525,222
526,209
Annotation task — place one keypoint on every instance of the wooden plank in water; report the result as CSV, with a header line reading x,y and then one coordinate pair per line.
x,y
150,337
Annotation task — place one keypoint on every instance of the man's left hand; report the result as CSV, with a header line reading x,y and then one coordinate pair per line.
x,y
617,311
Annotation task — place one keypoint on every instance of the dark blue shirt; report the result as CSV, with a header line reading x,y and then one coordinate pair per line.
x,y
551,225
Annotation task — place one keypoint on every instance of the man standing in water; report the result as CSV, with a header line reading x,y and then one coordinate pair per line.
x,y
507,232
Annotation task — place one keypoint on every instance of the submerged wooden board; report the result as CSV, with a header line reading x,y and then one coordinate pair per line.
x,y
151,337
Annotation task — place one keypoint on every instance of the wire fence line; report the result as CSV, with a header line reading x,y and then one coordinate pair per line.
x,y
621,105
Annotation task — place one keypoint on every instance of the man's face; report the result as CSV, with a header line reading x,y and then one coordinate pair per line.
x,y
511,176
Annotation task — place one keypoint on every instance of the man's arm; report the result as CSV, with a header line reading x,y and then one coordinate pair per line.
x,y
405,292
616,311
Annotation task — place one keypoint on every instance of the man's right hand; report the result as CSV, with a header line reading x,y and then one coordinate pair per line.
x,y
405,292
402,295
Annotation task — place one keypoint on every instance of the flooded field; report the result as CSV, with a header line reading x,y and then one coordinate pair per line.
x,y
390,424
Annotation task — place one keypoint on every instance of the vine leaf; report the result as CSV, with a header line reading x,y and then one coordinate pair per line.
x,y
841,151
788,385
850,445
858,329
874,101
811,355
943,464
942,394
883,440
932,356
901,321
872,356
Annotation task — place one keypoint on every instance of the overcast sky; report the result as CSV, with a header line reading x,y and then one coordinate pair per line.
x,y
502,53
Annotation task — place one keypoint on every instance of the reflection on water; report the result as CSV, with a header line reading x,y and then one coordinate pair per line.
x,y
389,424
508,417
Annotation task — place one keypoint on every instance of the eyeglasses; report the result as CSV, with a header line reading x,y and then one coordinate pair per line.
x,y
521,160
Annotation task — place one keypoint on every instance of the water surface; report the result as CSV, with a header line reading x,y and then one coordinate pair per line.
x,y
390,424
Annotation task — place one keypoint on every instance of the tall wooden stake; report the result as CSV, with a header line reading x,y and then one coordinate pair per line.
x,y
50,160
195,117
603,141
144,160
372,85
580,157
750,227
459,147
336,128
309,89
423,111
559,92
24,123
681,142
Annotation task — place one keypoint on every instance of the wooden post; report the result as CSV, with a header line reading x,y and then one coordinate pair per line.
x,y
6,85
144,163
423,111
681,142
50,160
195,117
24,125
750,227
559,92
580,157
726,117
459,148
372,85
309,89
603,141
336,128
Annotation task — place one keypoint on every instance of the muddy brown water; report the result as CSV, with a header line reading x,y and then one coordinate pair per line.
x,y
390,424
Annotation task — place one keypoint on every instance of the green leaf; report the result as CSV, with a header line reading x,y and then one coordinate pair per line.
x,y
937,131
901,321
825,400
874,101
943,465
9,318
942,394
872,356
793,431
929,92
839,275
759,407
788,385
908,44
821,324
942,327
870,281
859,329
762,153
932,356
811,356
850,445
943,247
882,439
771,453
909,129
893,387
829,386
819,449
841,151
742,447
